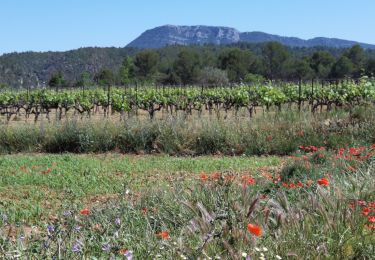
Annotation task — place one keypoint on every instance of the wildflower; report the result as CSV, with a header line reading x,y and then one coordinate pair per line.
x,y
77,229
309,182
362,202
371,219
323,182
254,229
77,246
299,184
244,255
269,138
265,249
257,249
125,252
216,176
278,257
67,214
51,228
204,177
117,221
249,180
365,211
163,234
85,211
106,247
292,185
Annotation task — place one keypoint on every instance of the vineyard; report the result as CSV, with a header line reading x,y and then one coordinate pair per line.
x,y
186,99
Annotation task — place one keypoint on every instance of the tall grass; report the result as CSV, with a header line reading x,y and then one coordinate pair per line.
x,y
277,134
208,217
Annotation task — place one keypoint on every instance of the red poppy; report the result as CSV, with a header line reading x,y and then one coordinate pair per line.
x,y
215,176
204,177
85,211
254,229
323,182
299,184
47,171
249,180
292,185
163,234
371,219
365,211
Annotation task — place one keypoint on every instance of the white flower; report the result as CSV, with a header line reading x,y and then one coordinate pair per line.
x,y
257,249
265,249
278,257
244,255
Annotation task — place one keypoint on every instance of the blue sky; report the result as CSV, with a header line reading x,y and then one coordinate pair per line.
x,y
41,25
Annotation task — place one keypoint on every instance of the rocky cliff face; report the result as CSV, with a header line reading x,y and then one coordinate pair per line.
x,y
185,35
199,35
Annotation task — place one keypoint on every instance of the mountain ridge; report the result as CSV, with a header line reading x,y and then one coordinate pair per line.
x,y
165,35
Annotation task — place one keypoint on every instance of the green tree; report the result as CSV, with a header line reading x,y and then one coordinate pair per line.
x,y
356,55
297,69
370,67
145,63
187,66
105,78
321,62
274,56
84,80
236,62
342,68
126,71
213,77
57,81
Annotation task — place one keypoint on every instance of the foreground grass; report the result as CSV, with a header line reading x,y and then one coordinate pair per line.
x,y
34,188
317,204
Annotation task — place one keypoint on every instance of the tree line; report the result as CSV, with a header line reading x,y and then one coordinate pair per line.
x,y
211,65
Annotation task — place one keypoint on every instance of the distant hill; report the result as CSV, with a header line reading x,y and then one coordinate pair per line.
x,y
199,35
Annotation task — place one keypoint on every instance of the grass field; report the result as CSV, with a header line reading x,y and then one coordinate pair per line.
x,y
312,205
33,187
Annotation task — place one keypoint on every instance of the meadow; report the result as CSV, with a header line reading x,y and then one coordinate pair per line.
x,y
284,182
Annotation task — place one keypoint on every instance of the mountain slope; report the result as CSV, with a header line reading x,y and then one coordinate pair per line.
x,y
200,35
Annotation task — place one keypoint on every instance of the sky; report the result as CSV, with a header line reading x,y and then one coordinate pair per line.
x,y
59,25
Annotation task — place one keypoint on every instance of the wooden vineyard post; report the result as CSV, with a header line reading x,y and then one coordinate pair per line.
x,y
312,92
299,94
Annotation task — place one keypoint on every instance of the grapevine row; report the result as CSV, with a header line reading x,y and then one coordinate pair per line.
x,y
187,99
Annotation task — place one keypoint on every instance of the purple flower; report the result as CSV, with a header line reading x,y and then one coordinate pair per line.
x,y
67,213
106,247
51,228
77,229
77,246
129,255
118,221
